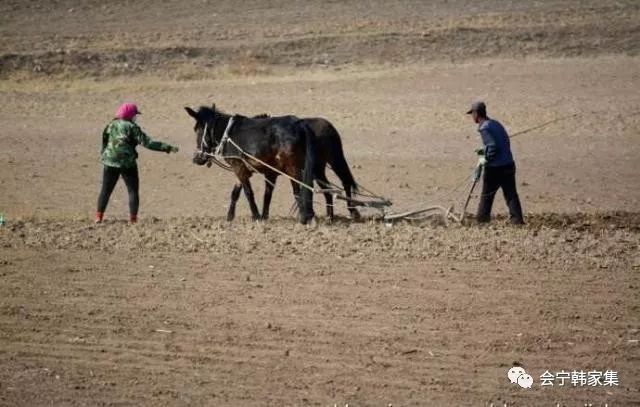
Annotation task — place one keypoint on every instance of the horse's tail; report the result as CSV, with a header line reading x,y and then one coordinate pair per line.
x,y
339,162
309,170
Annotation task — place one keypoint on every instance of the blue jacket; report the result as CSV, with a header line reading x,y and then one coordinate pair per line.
x,y
497,148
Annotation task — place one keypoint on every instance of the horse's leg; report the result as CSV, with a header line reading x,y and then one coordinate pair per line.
x,y
248,192
296,194
355,215
269,184
324,184
305,198
235,194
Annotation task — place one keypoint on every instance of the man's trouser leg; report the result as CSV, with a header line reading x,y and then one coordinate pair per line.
x,y
490,185
510,192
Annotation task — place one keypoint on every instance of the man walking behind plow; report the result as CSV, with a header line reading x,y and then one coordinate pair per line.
x,y
499,166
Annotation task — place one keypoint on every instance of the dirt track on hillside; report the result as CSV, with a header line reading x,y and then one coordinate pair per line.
x,y
99,41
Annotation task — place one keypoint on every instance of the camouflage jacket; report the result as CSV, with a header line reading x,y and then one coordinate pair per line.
x,y
119,141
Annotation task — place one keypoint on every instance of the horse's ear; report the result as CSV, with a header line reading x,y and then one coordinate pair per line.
x,y
213,107
191,112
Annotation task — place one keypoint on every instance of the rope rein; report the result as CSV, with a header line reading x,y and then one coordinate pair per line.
x,y
272,168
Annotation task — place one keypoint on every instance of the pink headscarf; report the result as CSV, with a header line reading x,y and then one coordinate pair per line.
x,y
127,111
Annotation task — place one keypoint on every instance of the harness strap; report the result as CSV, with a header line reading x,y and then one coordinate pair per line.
x,y
224,138
203,142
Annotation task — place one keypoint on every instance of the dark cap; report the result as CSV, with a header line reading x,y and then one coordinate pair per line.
x,y
478,107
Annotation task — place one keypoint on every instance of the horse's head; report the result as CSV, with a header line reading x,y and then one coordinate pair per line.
x,y
204,128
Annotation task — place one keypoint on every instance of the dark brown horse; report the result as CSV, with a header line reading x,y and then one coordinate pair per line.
x,y
284,143
329,151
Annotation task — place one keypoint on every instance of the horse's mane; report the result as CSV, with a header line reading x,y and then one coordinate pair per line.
x,y
208,113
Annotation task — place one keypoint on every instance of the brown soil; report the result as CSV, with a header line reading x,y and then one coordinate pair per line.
x,y
186,309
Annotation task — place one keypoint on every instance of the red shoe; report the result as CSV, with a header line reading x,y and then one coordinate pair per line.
x,y
99,217
133,218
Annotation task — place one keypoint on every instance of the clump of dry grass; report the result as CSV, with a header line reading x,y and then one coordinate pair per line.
x,y
247,64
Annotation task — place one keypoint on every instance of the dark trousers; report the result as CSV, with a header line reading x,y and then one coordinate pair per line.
x,y
110,177
500,177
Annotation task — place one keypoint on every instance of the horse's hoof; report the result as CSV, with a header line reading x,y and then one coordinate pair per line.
x,y
311,223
